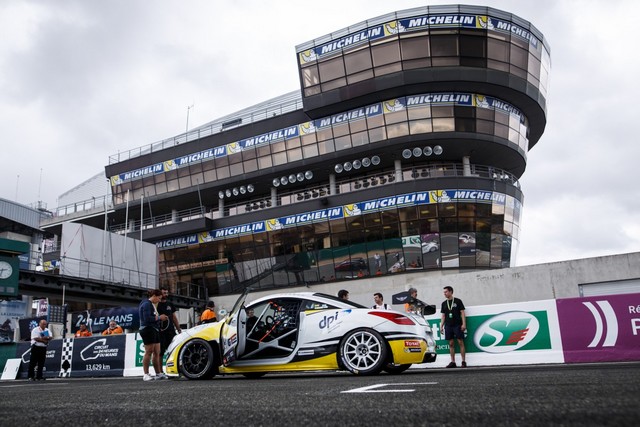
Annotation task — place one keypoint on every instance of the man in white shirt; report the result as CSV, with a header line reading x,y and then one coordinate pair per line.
x,y
379,305
40,337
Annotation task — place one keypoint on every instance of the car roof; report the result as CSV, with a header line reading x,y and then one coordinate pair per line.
x,y
313,296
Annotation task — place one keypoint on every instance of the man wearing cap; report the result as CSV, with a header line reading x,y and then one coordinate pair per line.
x,y
410,305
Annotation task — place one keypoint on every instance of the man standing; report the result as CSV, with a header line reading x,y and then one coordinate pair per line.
x,y
150,321
343,294
453,323
379,302
168,327
40,337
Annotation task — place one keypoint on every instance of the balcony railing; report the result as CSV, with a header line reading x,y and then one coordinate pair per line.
x,y
285,104
342,186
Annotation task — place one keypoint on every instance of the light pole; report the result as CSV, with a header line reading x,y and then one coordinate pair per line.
x,y
188,108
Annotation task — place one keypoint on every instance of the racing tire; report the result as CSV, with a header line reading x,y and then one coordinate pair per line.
x,y
197,360
254,375
363,352
394,369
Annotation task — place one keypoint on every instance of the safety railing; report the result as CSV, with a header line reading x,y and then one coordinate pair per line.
x,y
287,103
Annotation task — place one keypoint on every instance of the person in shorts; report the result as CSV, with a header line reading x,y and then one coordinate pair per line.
x,y
150,321
453,323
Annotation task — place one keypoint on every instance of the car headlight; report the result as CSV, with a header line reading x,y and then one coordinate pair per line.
x,y
176,341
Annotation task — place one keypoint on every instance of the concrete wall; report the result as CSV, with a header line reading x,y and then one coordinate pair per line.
x,y
517,284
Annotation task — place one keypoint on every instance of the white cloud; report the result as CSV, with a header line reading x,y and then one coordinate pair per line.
x,y
81,81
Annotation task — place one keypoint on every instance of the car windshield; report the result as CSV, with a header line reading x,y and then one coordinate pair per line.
x,y
343,301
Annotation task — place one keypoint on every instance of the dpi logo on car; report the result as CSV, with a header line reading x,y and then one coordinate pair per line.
x,y
506,332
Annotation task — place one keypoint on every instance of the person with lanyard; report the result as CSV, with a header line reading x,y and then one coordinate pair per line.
x,y
150,321
453,323
40,337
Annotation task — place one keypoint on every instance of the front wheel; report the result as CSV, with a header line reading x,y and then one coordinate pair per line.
x,y
395,369
363,352
197,361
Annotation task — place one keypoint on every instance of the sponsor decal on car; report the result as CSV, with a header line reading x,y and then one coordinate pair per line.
x,y
305,353
330,322
411,343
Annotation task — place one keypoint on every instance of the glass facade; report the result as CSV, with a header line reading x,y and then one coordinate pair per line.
x,y
423,42
456,233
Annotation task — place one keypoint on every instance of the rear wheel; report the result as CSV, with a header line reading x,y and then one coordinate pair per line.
x,y
395,369
197,361
363,352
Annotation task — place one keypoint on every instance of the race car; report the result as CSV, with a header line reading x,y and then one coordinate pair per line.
x,y
303,332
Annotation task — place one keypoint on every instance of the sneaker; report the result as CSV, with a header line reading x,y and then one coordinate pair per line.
x,y
32,379
162,376
464,364
451,365
41,379
148,377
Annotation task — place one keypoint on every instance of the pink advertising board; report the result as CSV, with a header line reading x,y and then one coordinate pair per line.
x,y
600,329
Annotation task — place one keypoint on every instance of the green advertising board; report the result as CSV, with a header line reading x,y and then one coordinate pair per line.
x,y
140,355
501,333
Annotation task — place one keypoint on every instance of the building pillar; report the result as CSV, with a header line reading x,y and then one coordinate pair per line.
x,y
397,165
466,166
274,196
174,215
221,208
332,184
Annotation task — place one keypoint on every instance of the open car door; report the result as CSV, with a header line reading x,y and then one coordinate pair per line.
x,y
233,331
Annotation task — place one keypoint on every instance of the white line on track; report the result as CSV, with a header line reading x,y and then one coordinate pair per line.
x,y
371,388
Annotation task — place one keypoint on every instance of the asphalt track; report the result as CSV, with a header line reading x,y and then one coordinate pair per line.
x,y
585,394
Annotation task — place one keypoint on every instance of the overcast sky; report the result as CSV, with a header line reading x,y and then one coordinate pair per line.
x,y
83,80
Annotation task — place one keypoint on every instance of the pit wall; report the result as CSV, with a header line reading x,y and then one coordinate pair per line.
x,y
567,330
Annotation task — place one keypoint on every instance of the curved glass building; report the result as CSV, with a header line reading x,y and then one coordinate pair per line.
x,y
401,153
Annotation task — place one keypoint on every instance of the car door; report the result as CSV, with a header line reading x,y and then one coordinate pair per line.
x,y
273,331
233,331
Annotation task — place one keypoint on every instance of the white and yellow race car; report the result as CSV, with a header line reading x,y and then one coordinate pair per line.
x,y
303,332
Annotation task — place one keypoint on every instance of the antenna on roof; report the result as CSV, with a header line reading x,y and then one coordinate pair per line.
x,y
188,108
40,184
